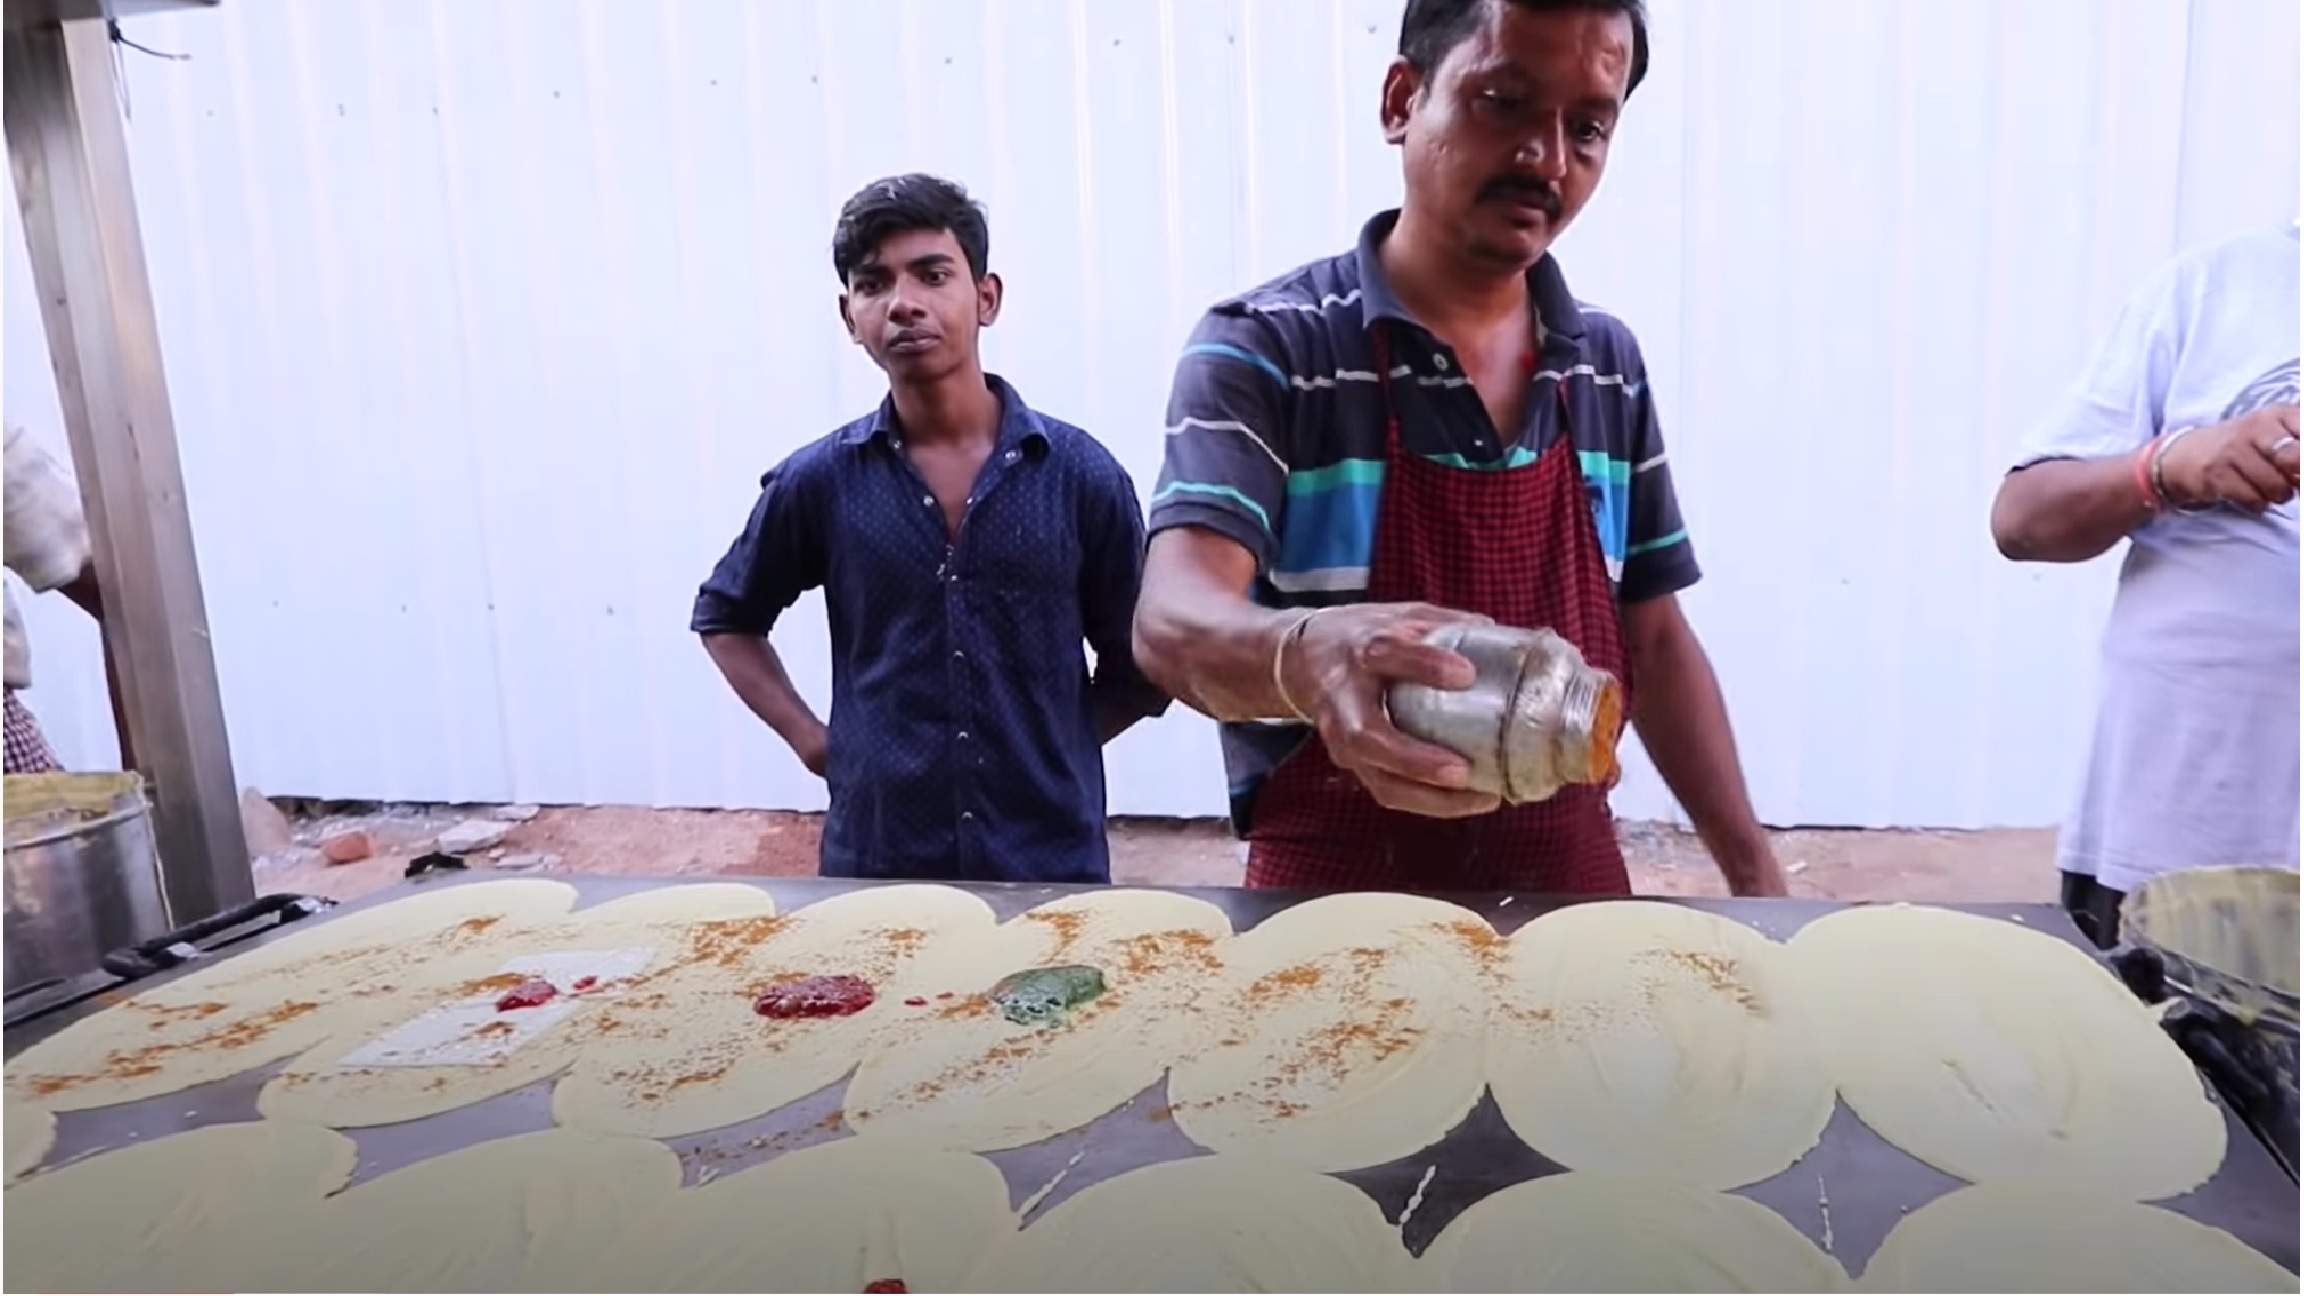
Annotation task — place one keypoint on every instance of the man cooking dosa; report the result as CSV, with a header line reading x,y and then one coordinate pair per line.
x,y
1426,428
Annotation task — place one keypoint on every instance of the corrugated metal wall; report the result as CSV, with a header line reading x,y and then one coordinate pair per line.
x,y
482,318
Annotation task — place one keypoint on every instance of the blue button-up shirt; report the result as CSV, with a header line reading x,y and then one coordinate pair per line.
x,y
964,727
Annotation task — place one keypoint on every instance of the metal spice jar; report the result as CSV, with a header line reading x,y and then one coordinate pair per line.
x,y
1537,718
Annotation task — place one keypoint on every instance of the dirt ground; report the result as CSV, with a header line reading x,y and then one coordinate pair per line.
x,y
2008,865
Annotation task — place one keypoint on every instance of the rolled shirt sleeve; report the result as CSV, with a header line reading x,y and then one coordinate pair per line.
x,y
1112,539
1658,558
779,556
1225,467
2118,401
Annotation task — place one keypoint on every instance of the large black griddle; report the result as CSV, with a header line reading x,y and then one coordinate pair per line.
x,y
1845,1195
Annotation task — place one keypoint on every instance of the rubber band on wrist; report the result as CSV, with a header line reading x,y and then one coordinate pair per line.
x,y
1288,637
2141,464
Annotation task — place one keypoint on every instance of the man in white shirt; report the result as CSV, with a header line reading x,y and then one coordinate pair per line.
x,y
2181,437
47,548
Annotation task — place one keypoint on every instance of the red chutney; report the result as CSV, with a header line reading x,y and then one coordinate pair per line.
x,y
528,994
817,996
887,1285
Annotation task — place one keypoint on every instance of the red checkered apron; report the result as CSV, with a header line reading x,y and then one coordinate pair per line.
x,y
1516,544
27,747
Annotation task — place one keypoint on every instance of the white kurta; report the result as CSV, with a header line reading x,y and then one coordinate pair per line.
x,y
2194,758
47,538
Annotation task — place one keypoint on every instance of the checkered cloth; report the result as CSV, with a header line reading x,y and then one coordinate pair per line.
x,y
28,751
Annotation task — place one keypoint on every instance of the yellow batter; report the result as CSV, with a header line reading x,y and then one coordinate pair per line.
x,y
1352,1033
1208,1224
2029,1239
2002,1055
1587,1232
956,1073
189,1212
30,1133
338,974
1654,1039
837,1217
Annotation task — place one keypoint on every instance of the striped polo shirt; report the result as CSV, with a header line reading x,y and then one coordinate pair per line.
x,y
1276,440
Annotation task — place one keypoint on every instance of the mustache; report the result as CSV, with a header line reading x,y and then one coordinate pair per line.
x,y
1535,193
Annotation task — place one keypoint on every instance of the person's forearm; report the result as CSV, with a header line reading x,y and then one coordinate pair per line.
x,y
83,592
1119,696
750,665
86,595
1113,719
1201,638
2068,510
119,707
1212,649
1682,721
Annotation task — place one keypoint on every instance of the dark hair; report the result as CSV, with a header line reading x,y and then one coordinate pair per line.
x,y
1431,28
901,205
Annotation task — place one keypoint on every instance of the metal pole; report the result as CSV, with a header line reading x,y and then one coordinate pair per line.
x,y
69,148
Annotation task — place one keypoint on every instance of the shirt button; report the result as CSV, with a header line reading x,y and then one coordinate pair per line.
x,y
1440,363
928,500
958,655
967,816
1010,457
963,735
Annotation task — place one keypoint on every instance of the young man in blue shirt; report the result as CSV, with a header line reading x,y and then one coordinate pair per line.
x,y
967,547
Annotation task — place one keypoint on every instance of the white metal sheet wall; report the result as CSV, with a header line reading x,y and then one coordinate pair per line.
x,y
483,317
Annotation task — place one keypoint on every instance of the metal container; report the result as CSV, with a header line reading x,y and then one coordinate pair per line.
x,y
1536,719
2227,937
83,874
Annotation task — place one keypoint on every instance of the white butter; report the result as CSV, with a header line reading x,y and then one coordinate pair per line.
x,y
452,1034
